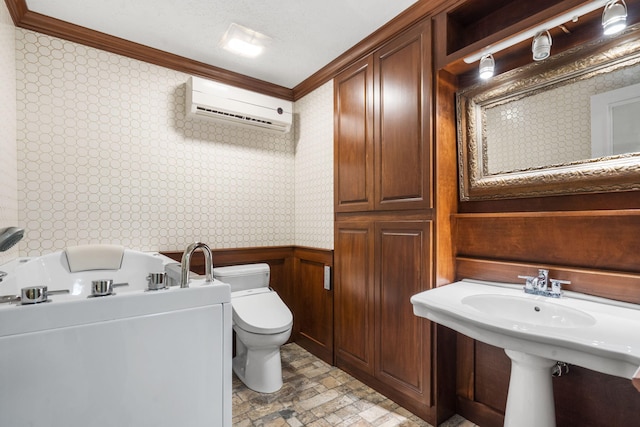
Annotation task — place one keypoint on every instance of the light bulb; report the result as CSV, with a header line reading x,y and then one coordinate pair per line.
x,y
541,46
614,17
487,67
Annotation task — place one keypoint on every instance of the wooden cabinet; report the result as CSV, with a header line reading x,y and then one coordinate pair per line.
x,y
379,266
354,295
382,128
384,230
402,269
353,138
402,135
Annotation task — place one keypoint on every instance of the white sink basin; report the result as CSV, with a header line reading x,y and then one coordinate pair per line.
x,y
536,332
527,312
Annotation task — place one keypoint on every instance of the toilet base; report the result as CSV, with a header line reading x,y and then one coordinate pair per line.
x,y
259,369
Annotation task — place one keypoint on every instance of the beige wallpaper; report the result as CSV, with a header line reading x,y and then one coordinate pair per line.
x,y
105,154
8,168
314,169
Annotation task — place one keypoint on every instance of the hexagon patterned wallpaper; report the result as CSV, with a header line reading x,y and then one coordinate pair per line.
x,y
105,154
8,155
524,133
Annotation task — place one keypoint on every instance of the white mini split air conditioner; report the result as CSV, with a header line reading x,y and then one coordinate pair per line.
x,y
221,102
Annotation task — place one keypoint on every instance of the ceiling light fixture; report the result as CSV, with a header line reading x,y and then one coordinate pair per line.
x,y
541,46
487,67
572,15
614,17
243,41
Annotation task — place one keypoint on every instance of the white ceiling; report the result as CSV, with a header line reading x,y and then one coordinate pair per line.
x,y
306,34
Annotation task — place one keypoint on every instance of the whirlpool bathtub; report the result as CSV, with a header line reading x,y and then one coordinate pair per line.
x,y
134,358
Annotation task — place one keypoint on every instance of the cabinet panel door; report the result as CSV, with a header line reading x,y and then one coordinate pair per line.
x,y
314,305
403,269
354,330
353,138
402,119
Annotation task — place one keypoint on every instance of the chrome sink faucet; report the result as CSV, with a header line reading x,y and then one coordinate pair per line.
x,y
543,280
186,263
539,285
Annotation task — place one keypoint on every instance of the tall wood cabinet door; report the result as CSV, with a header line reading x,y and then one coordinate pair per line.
x,y
353,302
353,138
402,97
403,269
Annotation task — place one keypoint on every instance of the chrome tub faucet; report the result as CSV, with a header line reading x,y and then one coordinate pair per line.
x,y
186,263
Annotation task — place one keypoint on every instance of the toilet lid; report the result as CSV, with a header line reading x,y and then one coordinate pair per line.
x,y
261,313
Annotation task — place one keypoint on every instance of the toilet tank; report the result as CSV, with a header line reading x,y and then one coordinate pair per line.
x,y
243,277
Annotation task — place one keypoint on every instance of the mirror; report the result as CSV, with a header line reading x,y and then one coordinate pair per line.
x,y
566,125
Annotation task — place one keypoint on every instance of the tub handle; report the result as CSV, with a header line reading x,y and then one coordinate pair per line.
x,y
37,294
104,287
157,281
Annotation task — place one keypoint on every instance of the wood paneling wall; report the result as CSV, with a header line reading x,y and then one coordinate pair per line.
x,y
280,260
313,320
604,240
297,274
595,250
445,203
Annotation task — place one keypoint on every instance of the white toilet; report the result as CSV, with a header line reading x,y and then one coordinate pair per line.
x,y
262,323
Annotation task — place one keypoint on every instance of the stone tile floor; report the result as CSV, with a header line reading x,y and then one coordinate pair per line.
x,y
316,394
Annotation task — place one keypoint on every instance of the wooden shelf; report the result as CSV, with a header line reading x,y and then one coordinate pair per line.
x,y
472,26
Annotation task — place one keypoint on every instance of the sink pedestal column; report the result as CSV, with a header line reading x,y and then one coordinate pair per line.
x,y
530,399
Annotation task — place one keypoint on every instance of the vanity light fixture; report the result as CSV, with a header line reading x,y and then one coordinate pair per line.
x,y
487,67
541,46
572,15
244,41
614,17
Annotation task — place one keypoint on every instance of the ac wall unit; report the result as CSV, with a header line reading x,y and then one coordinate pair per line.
x,y
221,102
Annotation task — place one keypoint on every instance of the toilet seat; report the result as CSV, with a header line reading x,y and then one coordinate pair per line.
x,y
261,313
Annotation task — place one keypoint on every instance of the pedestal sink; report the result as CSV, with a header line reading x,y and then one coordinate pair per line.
x,y
536,332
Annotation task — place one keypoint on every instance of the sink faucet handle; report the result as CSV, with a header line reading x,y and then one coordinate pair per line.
x,y
530,282
556,286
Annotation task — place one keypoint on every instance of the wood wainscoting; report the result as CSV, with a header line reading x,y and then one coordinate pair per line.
x,y
297,274
279,258
313,320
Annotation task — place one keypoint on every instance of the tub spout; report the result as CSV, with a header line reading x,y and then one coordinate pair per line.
x,y
186,263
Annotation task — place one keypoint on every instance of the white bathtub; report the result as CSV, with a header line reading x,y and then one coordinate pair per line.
x,y
134,359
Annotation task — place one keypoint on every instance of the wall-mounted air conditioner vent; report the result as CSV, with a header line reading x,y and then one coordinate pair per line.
x,y
217,101
233,116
